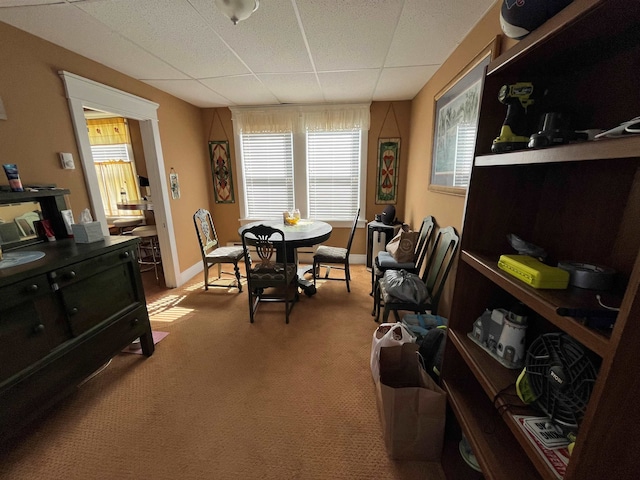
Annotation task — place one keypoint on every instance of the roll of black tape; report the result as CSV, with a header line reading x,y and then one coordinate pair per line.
x,y
590,276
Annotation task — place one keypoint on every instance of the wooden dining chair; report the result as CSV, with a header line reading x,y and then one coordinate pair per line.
x,y
213,253
329,257
270,277
434,276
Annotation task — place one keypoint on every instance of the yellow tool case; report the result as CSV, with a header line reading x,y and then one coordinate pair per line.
x,y
533,272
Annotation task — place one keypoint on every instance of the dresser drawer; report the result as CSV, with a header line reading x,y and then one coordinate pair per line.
x,y
29,330
91,300
78,272
24,291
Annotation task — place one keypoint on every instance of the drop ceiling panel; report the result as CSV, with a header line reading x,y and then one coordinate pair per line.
x,y
288,51
170,29
191,91
242,90
349,35
419,37
64,24
294,87
268,42
356,86
399,83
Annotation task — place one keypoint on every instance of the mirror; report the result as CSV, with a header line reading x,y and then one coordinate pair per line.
x,y
17,221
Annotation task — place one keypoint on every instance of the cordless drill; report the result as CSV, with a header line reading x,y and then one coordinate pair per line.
x,y
515,131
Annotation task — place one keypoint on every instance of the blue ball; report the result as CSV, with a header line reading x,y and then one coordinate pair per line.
x,y
518,18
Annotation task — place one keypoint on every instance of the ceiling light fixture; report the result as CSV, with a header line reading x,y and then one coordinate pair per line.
x,y
237,10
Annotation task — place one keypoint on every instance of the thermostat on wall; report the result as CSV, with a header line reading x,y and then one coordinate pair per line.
x,y
67,161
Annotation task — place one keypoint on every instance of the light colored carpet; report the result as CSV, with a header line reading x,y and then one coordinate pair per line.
x,y
225,399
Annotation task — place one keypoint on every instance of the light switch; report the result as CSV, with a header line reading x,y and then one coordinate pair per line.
x,y
67,161
3,112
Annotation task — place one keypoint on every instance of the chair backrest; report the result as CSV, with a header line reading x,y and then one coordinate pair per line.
x,y
424,238
270,247
439,263
207,236
353,231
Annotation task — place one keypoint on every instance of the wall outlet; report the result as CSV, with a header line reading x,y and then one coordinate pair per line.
x,y
66,159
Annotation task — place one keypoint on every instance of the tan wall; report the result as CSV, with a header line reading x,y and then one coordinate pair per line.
x,y
39,126
420,201
386,122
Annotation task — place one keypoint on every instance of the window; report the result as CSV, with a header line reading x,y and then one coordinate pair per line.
x,y
268,173
310,158
333,173
113,160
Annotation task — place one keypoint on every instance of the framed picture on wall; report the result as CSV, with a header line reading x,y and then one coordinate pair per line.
x,y
387,177
221,171
457,108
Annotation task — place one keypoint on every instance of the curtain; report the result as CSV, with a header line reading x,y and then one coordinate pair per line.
x,y
312,118
108,131
112,177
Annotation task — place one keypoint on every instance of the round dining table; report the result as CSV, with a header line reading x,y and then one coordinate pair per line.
x,y
305,233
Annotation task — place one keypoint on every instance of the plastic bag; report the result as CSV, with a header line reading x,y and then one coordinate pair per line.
x,y
405,286
387,335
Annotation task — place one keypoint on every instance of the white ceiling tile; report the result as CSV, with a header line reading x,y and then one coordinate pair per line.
x,y
242,90
268,42
189,49
64,25
349,35
293,87
402,83
170,29
356,86
191,91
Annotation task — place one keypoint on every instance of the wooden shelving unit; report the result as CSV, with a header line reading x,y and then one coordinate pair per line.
x,y
581,202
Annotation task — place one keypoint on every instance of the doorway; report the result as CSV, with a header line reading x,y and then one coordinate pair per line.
x,y
84,93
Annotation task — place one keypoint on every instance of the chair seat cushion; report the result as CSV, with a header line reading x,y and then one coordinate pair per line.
x,y
225,254
385,260
328,254
261,276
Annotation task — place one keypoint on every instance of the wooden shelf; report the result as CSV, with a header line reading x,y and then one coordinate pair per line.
x,y
491,441
496,380
545,302
579,201
492,376
604,149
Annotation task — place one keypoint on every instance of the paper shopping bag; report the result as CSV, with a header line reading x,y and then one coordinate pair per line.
x,y
411,406
387,335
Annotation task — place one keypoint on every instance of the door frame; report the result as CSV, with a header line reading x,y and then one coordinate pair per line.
x,y
82,92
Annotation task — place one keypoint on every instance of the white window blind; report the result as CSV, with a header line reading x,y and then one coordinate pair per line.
x,y
333,174
465,145
105,153
267,173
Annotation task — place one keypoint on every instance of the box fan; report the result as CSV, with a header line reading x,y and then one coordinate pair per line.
x,y
558,379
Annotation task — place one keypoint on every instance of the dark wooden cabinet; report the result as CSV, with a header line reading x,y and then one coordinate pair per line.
x,y
581,202
62,318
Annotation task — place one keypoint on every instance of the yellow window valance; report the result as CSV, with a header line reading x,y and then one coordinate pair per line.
x,y
108,131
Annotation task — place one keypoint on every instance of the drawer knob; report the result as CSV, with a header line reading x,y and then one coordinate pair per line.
x,y
135,322
38,328
124,255
70,275
73,311
32,288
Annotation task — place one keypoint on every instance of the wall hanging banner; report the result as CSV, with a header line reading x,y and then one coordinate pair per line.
x,y
175,184
221,171
387,183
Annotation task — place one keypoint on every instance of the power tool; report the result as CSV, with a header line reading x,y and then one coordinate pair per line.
x,y
515,131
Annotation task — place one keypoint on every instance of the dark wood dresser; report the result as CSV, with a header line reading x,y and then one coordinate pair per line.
x,y
61,318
